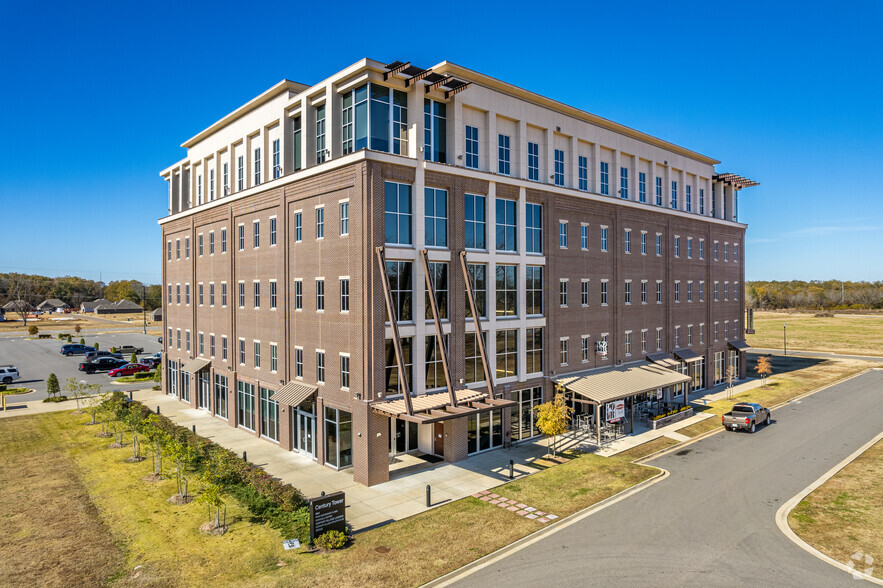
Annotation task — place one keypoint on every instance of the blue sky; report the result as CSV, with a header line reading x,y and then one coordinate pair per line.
x,y
97,97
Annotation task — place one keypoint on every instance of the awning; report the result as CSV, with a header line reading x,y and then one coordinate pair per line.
x,y
620,382
740,345
293,393
663,359
687,355
194,365
436,406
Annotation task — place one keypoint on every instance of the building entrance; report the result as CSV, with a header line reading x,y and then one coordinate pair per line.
x,y
303,428
402,437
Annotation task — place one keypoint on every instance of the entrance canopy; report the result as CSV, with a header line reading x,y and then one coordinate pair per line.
x,y
194,365
620,382
663,359
739,345
436,406
687,355
293,393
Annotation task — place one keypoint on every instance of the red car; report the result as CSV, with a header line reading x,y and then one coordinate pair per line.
x,y
128,370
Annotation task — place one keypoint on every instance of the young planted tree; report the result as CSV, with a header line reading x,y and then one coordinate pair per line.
x,y
553,419
183,456
134,358
33,330
730,378
77,329
133,418
764,368
95,402
213,483
158,439
76,390
52,387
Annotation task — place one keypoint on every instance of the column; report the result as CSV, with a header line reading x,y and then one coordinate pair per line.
x,y
595,168
521,170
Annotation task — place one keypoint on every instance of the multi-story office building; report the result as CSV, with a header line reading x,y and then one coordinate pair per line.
x,y
302,220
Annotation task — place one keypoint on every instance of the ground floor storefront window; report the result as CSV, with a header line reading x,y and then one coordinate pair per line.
x,y
172,377
221,396
303,427
338,438
485,431
245,406
402,437
185,386
683,369
718,367
734,363
524,416
699,374
269,415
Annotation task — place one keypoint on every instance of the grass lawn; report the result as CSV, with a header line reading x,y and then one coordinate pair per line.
x,y
857,334
792,376
12,391
65,323
78,513
645,449
844,515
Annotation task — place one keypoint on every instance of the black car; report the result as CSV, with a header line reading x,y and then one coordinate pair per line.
x,y
76,349
102,364
94,354
150,362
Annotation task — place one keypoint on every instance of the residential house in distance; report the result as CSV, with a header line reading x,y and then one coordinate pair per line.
x,y
118,307
90,306
52,305
399,259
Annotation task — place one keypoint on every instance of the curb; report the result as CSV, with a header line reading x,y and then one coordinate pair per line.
x,y
785,510
528,540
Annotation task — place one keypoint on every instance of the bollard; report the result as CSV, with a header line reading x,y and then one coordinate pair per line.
x,y
511,469
130,395
428,498
244,456
322,493
157,409
194,428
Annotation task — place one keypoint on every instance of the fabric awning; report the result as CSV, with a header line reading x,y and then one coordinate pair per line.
x,y
740,345
293,393
195,365
687,355
620,382
663,359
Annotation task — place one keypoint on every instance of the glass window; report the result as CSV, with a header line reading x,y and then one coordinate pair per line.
x,y
504,155
393,384
658,191
642,187
628,292
627,241
507,290
320,366
478,278
397,213
273,294
583,169
320,223
562,292
533,161
220,404
257,354
257,294
507,353
534,222
435,373
438,273
240,173
584,292
245,406
269,415
506,225
475,222
701,201
605,178
223,240
563,357
277,167
320,134
474,365
559,167
584,237
624,183
344,371
320,294
435,130
603,238
273,231
643,243
534,286
674,194
471,147
401,287
604,293
344,295
562,235
274,357
299,363
436,217
658,244
257,166
298,295
224,294
344,218
298,226
534,350
689,198
257,233
338,438
658,292
298,146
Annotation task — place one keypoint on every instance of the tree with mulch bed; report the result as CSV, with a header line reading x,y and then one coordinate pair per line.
x,y
764,368
76,389
52,387
553,419
184,457
157,439
95,403
214,478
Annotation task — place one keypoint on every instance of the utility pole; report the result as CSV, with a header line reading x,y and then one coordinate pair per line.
x,y
144,308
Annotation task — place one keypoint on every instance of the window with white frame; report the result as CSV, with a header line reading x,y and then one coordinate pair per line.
x,y
478,279
716,248
689,291
628,292
674,195
533,161
320,367
643,243
241,351
507,290
506,225
559,167
689,198
320,134
272,294
257,294
277,167
435,130
344,371
628,342
658,291
199,292
534,286
563,356
583,172
603,292
603,238
225,179
585,348
240,173
658,244
658,338
436,217
298,362
562,234
397,213
605,178
199,245
534,227
224,294
211,242
298,227
624,183
689,335
643,340
273,231
504,155
701,201
643,291
224,347
241,294
701,291
677,291
199,188
584,237
658,191
344,218
471,147
689,247
241,229
320,294
438,274
735,290
627,240
257,166
344,295
475,223
677,336
726,252
642,187
320,222
211,294
298,295
224,240
562,292
701,333
257,233
677,246
584,292
715,292
257,354
274,358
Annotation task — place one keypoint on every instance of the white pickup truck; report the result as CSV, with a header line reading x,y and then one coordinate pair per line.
x,y
745,415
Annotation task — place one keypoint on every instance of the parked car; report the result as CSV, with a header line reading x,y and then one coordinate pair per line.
x,y
150,362
129,349
102,364
128,370
95,354
75,349
157,356
745,415
159,339
8,373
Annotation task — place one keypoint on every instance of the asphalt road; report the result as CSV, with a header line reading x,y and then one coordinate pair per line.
x,y
37,358
712,521
821,354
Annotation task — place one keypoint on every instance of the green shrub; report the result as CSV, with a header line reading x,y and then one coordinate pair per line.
x,y
95,345
134,358
82,341
33,330
52,387
157,374
2,387
68,338
331,540
112,349
55,399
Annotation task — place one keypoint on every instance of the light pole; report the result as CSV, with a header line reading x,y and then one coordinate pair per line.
x,y
785,337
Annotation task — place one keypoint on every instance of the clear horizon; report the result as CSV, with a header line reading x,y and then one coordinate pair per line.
x,y
100,101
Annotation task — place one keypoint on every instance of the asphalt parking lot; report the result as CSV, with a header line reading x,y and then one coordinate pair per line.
x,y
37,358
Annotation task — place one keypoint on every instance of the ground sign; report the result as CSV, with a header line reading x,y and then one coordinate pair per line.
x,y
327,513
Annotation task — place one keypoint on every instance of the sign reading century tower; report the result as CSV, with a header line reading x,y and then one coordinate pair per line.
x,y
327,513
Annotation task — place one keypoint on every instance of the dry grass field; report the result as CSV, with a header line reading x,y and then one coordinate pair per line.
x,y
850,334
65,323
844,516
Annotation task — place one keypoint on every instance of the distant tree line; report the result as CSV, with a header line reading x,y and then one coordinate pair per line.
x,y
814,295
34,289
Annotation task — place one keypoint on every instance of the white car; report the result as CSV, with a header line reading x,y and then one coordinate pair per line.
x,y
8,373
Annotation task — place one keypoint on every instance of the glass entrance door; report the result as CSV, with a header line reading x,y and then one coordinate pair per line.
x,y
305,433
203,392
403,436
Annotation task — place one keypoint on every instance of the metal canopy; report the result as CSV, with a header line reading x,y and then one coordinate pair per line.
x,y
620,382
195,365
735,180
435,406
687,355
663,359
739,345
293,393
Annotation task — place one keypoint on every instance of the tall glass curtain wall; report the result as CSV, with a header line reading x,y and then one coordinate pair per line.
x,y
338,438
524,417
375,117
